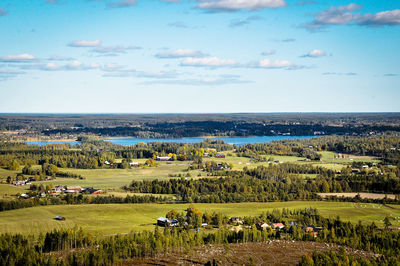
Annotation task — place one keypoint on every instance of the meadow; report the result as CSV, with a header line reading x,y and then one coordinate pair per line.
x,y
123,218
113,179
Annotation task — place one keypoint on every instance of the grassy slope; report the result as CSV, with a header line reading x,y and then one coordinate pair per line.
x,y
114,218
7,191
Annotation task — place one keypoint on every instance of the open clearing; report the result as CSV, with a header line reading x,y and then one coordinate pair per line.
x,y
277,252
122,218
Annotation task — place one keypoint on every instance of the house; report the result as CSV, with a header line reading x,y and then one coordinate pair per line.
x,y
134,164
163,158
365,166
262,226
206,154
60,218
165,222
74,189
107,163
24,195
162,221
219,155
236,220
278,225
313,230
18,183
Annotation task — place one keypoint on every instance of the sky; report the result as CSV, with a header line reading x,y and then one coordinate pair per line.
x,y
199,56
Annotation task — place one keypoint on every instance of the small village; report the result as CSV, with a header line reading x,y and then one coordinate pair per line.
x,y
235,224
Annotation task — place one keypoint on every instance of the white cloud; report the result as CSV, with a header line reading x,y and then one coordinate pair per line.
x,y
234,5
267,63
208,62
114,50
344,15
180,53
268,52
18,58
315,53
84,43
388,18
74,65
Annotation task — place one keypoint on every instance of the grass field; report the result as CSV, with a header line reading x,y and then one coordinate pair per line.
x,y
116,178
7,191
121,218
5,173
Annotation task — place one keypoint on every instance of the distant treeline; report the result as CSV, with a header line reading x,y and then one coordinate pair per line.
x,y
190,125
211,128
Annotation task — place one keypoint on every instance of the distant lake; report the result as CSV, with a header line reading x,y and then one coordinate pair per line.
x,y
230,140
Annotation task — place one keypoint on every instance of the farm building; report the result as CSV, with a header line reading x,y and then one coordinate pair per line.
x,y
134,164
262,226
74,189
163,158
278,225
219,155
165,222
60,218
313,230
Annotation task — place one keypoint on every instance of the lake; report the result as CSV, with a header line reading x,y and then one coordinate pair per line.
x,y
230,140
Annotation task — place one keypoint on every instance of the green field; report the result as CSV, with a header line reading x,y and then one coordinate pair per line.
x,y
116,178
121,218
7,191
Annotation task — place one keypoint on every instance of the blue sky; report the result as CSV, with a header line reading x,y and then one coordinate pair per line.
x,y
199,56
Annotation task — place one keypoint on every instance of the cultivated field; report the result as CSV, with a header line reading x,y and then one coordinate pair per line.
x,y
122,218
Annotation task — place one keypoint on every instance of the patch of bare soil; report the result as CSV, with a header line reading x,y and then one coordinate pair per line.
x,y
278,252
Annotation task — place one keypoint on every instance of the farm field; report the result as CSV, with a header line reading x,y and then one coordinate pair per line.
x,y
7,191
116,178
123,218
